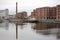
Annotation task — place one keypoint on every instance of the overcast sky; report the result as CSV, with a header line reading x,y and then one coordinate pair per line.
x,y
26,5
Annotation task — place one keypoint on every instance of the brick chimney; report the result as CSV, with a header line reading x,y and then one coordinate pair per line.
x,y
16,9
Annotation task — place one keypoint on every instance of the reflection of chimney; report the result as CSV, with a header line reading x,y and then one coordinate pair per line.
x,y
16,9
16,31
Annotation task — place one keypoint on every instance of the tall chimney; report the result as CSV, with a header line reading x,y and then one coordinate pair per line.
x,y
16,9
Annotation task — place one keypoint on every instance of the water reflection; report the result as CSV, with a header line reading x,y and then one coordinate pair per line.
x,y
21,25
29,31
48,29
17,25
4,25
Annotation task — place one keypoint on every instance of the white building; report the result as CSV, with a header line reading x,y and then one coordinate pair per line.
x,y
4,14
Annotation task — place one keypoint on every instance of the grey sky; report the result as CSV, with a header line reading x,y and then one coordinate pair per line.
x,y
26,5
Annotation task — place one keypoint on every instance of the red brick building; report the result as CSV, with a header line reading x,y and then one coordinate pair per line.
x,y
58,12
52,13
22,15
46,13
41,13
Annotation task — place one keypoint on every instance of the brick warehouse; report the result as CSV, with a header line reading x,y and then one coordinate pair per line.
x,y
22,15
58,12
46,13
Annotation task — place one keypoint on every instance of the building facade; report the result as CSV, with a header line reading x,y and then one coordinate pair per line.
x,y
52,13
22,15
4,13
46,13
58,12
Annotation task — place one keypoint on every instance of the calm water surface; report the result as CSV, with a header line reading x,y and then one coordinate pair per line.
x,y
29,31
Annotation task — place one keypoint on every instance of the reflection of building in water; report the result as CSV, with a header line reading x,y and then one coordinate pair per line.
x,y
47,28
4,14
58,35
21,25
43,26
4,25
40,26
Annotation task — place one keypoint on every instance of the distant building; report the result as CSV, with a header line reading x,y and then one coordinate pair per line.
x,y
22,15
12,16
4,13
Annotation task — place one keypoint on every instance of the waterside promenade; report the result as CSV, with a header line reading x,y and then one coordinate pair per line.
x,y
39,21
